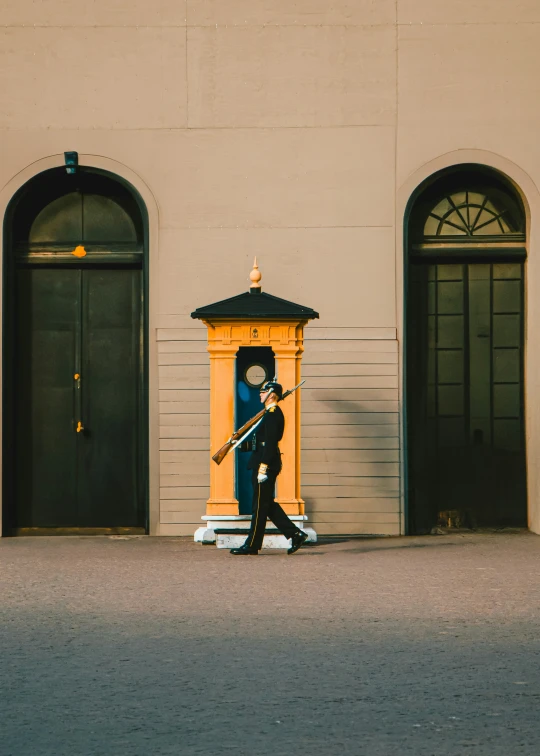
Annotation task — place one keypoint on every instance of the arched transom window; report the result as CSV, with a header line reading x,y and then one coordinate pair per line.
x,y
469,214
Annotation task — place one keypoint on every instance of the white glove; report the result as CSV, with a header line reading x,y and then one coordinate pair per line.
x,y
262,476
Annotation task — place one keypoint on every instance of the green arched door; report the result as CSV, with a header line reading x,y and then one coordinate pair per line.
x,y
74,369
465,338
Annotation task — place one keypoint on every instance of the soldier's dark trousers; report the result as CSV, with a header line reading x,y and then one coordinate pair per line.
x,y
264,506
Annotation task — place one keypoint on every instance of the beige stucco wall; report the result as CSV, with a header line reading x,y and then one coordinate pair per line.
x,y
296,132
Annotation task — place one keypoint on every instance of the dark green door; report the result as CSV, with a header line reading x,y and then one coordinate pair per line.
x,y
466,440
77,398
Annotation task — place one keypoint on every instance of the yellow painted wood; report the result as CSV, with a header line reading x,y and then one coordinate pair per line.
x,y
222,375
225,337
288,492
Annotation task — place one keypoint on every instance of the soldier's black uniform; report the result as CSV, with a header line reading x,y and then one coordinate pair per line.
x,y
266,439
265,451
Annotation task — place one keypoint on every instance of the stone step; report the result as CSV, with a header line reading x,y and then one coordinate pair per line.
x,y
270,541
230,532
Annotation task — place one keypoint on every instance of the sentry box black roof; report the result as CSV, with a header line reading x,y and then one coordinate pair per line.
x,y
255,304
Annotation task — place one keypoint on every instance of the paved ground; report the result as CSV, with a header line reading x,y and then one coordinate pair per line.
x,y
426,646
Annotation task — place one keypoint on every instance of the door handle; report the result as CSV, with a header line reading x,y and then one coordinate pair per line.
x,y
78,402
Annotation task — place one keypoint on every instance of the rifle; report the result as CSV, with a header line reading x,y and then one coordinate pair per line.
x,y
239,435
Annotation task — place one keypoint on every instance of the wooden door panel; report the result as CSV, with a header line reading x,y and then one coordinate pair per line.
x,y
45,440
87,322
109,489
465,393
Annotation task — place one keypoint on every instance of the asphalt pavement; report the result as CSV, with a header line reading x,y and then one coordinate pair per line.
x,y
142,646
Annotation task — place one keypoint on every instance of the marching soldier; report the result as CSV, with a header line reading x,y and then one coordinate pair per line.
x,y
265,464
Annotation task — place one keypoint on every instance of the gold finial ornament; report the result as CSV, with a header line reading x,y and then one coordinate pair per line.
x,y
255,276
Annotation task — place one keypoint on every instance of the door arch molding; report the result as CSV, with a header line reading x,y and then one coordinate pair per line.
x,y
530,197
149,211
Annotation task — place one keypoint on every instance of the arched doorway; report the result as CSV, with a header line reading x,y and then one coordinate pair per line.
x,y
464,352
75,419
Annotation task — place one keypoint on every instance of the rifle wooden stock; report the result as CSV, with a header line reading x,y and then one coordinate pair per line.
x,y
220,455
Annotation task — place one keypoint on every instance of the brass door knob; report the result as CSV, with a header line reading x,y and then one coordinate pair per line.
x,y
80,427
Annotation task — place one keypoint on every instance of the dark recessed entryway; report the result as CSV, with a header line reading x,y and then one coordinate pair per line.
x,y
464,354
74,360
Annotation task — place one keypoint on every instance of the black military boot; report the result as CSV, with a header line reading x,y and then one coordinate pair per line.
x,y
244,551
298,540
